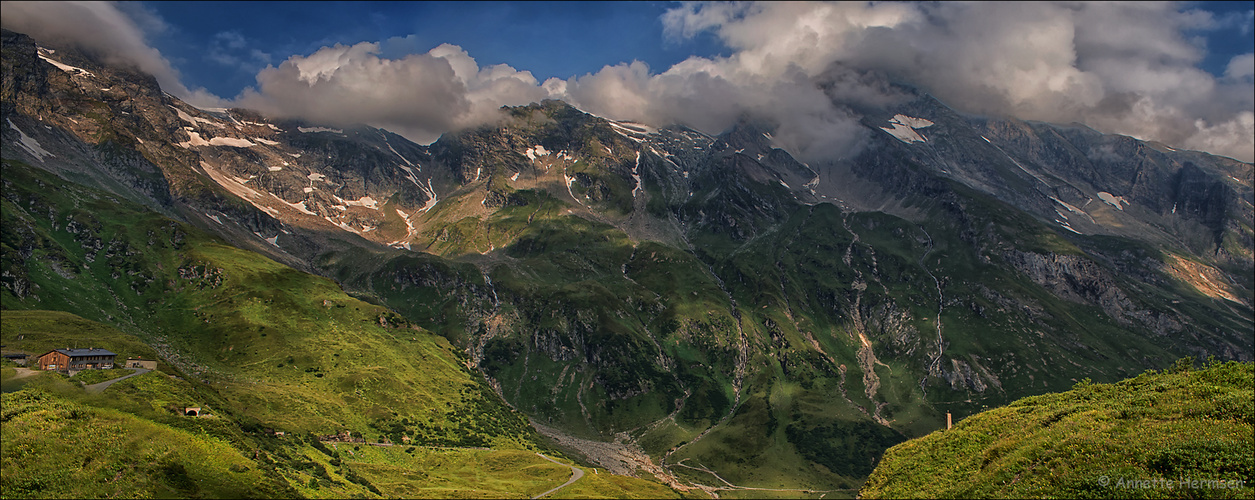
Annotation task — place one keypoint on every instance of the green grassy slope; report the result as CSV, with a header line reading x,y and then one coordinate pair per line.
x,y
286,348
1137,438
257,345
63,443
55,448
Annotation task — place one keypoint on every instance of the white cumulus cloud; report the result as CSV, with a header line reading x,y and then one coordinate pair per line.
x,y
418,95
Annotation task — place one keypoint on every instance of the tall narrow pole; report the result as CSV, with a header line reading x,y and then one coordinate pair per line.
x,y
948,421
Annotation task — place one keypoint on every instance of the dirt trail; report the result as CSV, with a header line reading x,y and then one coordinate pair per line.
x,y
24,372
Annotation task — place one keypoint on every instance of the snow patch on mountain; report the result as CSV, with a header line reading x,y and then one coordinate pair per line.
x,y
904,128
394,151
569,180
310,130
230,141
631,130
1062,219
915,123
636,174
667,158
536,151
193,119
194,141
300,207
1115,201
29,143
431,197
1069,206
409,226
365,201
343,226
74,70
637,127
272,127
409,174
267,142
239,189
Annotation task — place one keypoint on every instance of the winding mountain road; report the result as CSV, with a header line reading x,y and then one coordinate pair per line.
x,y
104,385
576,474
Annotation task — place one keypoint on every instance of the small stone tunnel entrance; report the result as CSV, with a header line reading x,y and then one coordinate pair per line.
x,y
192,412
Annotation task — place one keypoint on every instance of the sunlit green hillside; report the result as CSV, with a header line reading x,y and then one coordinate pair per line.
x,y
261,348
281,346
1180,433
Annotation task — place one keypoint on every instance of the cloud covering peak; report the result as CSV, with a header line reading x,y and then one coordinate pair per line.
x,y
1127,68
418,95
105,31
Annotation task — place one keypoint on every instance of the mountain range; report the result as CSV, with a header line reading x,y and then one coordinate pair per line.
x,y
728,316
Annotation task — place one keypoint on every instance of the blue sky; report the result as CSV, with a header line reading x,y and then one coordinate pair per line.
x,y
549,39
1224,43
